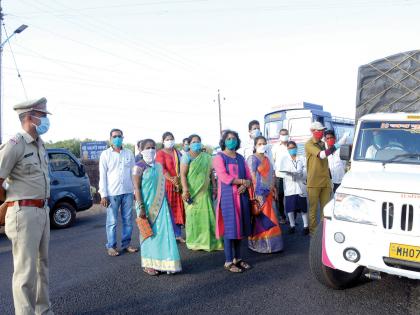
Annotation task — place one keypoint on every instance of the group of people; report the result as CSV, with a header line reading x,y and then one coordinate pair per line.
x,y
221,200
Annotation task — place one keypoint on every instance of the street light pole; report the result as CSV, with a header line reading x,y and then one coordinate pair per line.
x,y
19,30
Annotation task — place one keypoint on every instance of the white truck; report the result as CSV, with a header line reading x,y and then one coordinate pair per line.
x,y
372,224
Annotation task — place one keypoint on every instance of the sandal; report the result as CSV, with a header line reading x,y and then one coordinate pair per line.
x,y
151,272
233,268
242,264
180,239
113,252
131,249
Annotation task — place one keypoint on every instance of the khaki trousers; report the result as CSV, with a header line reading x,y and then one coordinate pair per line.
x,y
321,196
29,230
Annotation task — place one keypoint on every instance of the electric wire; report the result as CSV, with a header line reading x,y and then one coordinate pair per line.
x,y
16,66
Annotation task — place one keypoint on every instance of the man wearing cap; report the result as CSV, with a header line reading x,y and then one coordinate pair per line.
x,y
318,177
24,168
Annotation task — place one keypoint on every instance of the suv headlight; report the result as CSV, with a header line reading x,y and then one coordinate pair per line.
x,y
354,209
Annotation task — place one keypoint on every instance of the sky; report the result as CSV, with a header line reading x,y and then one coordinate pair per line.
x,y
152,66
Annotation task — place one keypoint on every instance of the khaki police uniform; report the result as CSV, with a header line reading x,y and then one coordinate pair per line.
x,y
318,181
24,166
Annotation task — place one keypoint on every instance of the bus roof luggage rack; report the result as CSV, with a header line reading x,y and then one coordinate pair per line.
x,y
389,85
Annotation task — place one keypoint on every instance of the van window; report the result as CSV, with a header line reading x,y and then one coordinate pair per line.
x,y
60,162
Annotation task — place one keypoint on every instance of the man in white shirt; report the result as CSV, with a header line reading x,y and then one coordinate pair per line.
x,y
337,166
116,189
279,151
254,131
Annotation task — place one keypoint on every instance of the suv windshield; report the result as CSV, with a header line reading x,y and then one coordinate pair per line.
x,y
381,141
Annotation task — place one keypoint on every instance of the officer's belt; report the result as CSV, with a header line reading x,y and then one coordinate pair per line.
x,y
39,203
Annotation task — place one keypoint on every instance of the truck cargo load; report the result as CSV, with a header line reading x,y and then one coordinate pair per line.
x,y
389,85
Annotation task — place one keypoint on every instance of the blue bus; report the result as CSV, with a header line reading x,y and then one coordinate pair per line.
x,y
297,119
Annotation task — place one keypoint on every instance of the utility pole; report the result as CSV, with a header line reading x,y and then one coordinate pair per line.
x,y
220,111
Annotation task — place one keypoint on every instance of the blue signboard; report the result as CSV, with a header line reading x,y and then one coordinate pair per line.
x,y
92,150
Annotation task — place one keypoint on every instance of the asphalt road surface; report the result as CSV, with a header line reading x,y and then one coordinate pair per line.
x,y
84,280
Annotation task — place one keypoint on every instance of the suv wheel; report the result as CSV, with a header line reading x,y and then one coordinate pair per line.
x,y
333,278
63,215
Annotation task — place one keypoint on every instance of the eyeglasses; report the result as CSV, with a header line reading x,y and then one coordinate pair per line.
x,y
117,136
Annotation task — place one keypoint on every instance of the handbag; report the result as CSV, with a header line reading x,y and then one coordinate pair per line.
x,y
144,227
255,207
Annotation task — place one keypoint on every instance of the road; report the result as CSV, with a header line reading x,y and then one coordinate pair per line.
x,y
84,280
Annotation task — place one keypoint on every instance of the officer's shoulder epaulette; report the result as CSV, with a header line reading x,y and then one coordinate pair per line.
x,y
16,139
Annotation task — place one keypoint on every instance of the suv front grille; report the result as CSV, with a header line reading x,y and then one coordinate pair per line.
x,y
387,215
407,218
390,214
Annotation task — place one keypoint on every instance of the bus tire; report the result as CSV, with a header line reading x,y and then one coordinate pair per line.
x,y
332,278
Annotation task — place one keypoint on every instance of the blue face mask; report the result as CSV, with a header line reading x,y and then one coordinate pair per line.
x,y
255,133
293,151
196,146
43,126
117,142
186,148
231,143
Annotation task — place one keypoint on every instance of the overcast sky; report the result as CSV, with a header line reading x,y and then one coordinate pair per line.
x,y
150,66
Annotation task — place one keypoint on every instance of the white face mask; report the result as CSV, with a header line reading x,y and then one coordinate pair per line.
x,y
284,138
262,148
169,144
149,156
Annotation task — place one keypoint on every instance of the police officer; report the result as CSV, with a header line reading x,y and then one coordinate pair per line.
x,y
24,167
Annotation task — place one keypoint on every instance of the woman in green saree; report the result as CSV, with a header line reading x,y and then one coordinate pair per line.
x,y
196,179
159,253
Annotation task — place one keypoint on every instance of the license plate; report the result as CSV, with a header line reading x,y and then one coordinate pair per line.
x,y
404,252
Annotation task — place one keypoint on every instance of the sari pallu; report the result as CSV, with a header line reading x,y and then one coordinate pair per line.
x,y
200,219
159,251
266,236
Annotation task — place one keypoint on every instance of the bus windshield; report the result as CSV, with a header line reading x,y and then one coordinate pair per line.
x,y
300,126
272,129
396,142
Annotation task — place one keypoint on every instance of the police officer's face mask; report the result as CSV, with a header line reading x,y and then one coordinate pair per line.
x,y
43,126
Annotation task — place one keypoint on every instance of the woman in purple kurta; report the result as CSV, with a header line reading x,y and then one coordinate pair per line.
x,y
233,217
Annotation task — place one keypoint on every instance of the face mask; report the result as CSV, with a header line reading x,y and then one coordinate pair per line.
x,y
186,148
262,148
149,155
43,126
330,142
196,146
255,133
169,144
318,134
284,138
117,142
293,151
231,143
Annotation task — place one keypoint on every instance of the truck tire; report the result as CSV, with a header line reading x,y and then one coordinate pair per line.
x,y
62,215
332,278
